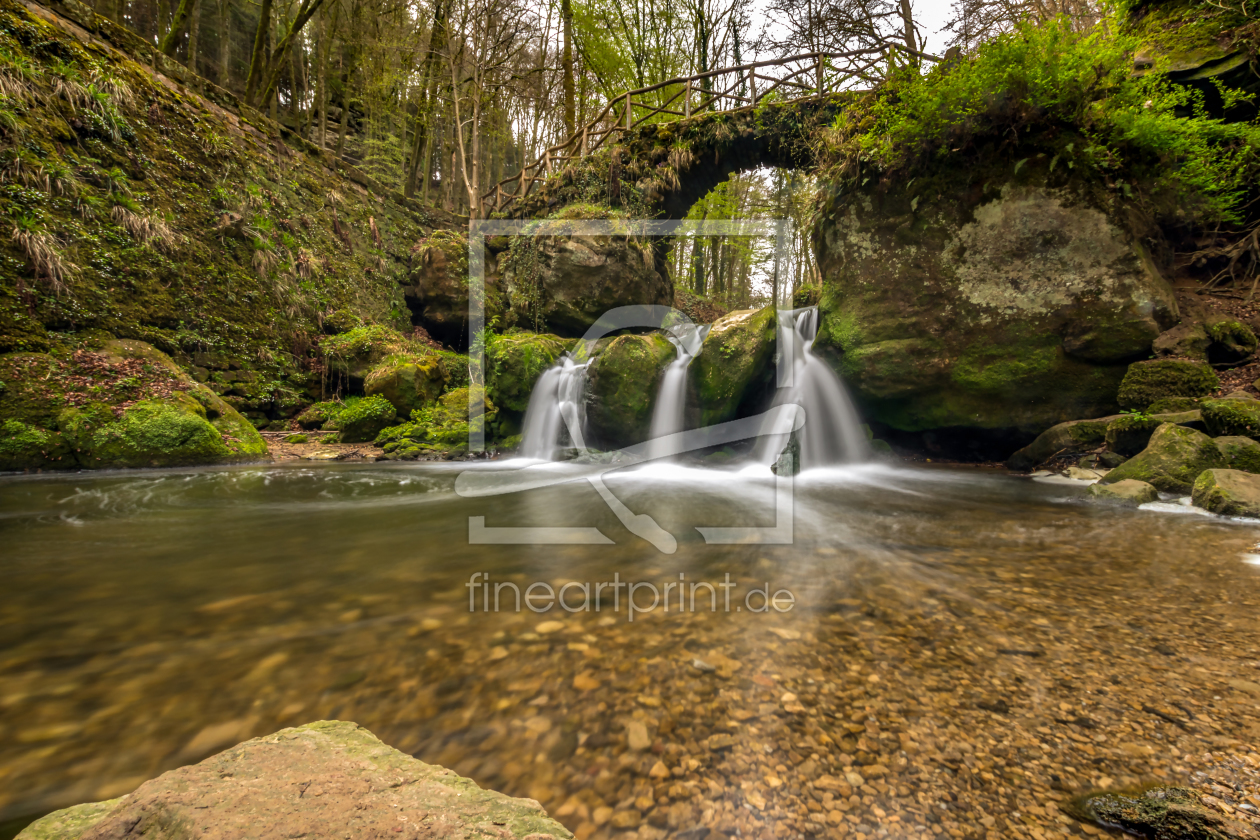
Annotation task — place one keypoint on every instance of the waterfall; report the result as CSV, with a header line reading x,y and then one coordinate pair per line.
x,y
671,398
833,432
556,405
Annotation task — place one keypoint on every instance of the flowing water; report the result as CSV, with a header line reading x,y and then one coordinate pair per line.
x,y
961,649
832,433
671,399
556,414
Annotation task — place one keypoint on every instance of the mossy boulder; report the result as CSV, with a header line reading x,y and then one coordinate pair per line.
x,y
1186,340
408,380
443,426
26,447
1232,417
1240,453
1149,381
621,388
364,787
1228,492
735,359
1129,433
1067,438
363,420
1171,461
352,355
169,432
1233,342
561,282
1162,813
968,300
513,364
1127,493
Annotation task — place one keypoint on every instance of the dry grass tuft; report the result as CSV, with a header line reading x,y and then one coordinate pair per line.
x,y
147,229
44,256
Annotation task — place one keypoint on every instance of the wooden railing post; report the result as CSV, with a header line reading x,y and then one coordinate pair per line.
x,y
687,101
629,113
752,85
582,151
819,68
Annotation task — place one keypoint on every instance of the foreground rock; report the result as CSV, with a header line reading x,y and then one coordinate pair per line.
x,y
1129,493
1014,308
1164,812
1232,416
1068,438
1228,492
1171,461
127,405
324,779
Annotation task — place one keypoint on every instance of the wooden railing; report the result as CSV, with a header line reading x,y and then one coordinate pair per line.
x,y
806,76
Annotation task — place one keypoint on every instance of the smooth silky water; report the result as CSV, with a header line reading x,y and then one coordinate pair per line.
x,y
153,618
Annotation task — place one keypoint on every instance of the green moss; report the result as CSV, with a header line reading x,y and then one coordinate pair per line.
x,y
408,381
734,360
1147,382
513,364
1240,453
297,437
1232,417
1231,341
1171,461
443,426
1168,405
364,419
24,447
1129,435
622,385
1003,369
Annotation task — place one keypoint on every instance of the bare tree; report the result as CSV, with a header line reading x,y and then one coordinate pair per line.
x,y
977,21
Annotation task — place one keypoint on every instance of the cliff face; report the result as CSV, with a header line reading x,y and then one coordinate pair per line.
x,y
135,207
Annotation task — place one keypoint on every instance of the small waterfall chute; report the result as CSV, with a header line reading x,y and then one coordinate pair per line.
x,y
556,414
832,433
668,415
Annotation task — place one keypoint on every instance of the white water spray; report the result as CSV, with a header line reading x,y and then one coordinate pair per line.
x,y
833,432
671,398
556,406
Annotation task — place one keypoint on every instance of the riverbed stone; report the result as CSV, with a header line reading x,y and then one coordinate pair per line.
x,y
1062,439
1164,812
621,388
734,360
1146,382
1171,461
1228,492
1129,493
324,779
978,301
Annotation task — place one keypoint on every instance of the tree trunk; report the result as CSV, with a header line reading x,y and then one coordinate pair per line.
x,y
194,33
225,44
258,56
170,41
566,64
430,81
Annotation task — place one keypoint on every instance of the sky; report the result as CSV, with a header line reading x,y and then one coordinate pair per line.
x,y
933,14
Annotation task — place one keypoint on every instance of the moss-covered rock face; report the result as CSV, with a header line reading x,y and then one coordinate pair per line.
x,y
513,364
560,282
1171,461
408,381
621,388
1168,405
1228,492
352,355
437,290
441,428
1015,308
1146,382
1128,435
1067,438
1240,453
363,420
1163,812
734,362
1127,493
1232,417
128,405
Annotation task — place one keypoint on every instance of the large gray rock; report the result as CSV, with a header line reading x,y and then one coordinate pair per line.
x,y
1240,453
622,382
734,361
1150,381
954,305
559,282
1228,492
1127,493
1062,439
1171,461
326,779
